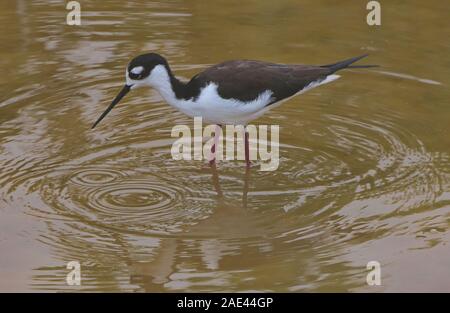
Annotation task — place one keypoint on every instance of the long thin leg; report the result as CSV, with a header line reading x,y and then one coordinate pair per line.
x,y
213,152
212,162
216,143
247,150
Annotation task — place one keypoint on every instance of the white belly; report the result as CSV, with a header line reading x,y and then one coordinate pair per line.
x,y
215,109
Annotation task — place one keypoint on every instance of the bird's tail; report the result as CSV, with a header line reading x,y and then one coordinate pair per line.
x,y
347,64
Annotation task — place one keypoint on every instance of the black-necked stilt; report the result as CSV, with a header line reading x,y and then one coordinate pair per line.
x,y
233,92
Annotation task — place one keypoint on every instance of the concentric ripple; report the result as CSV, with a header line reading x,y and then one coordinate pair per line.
x,y
364,163
127,202
95,177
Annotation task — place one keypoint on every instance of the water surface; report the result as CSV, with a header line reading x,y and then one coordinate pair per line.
x,y
364,172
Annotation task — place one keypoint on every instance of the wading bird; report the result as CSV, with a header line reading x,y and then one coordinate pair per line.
x,y
233,92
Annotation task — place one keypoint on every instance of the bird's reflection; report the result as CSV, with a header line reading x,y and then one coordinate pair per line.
x,y
155,274
215,181
218,189
151,274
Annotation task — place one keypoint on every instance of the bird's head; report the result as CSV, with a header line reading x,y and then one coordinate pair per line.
x,y
144,70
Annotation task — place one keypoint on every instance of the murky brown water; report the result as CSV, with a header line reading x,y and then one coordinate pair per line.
x,y
364,172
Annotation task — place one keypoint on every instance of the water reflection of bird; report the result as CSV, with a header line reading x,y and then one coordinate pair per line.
x,y
227,222
233,92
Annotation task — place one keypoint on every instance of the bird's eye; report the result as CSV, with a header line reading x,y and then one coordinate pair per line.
x,y
136,72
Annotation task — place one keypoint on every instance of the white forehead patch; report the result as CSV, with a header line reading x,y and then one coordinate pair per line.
x,y
137,70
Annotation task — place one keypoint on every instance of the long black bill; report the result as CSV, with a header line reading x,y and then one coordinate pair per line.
x,y
116,100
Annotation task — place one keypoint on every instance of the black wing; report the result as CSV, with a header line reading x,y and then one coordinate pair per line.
x,y
245,80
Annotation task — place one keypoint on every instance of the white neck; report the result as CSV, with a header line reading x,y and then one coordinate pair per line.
x,y
159,79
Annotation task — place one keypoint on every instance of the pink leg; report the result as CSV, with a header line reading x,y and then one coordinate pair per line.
x,y
247,151
216,143
213,151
